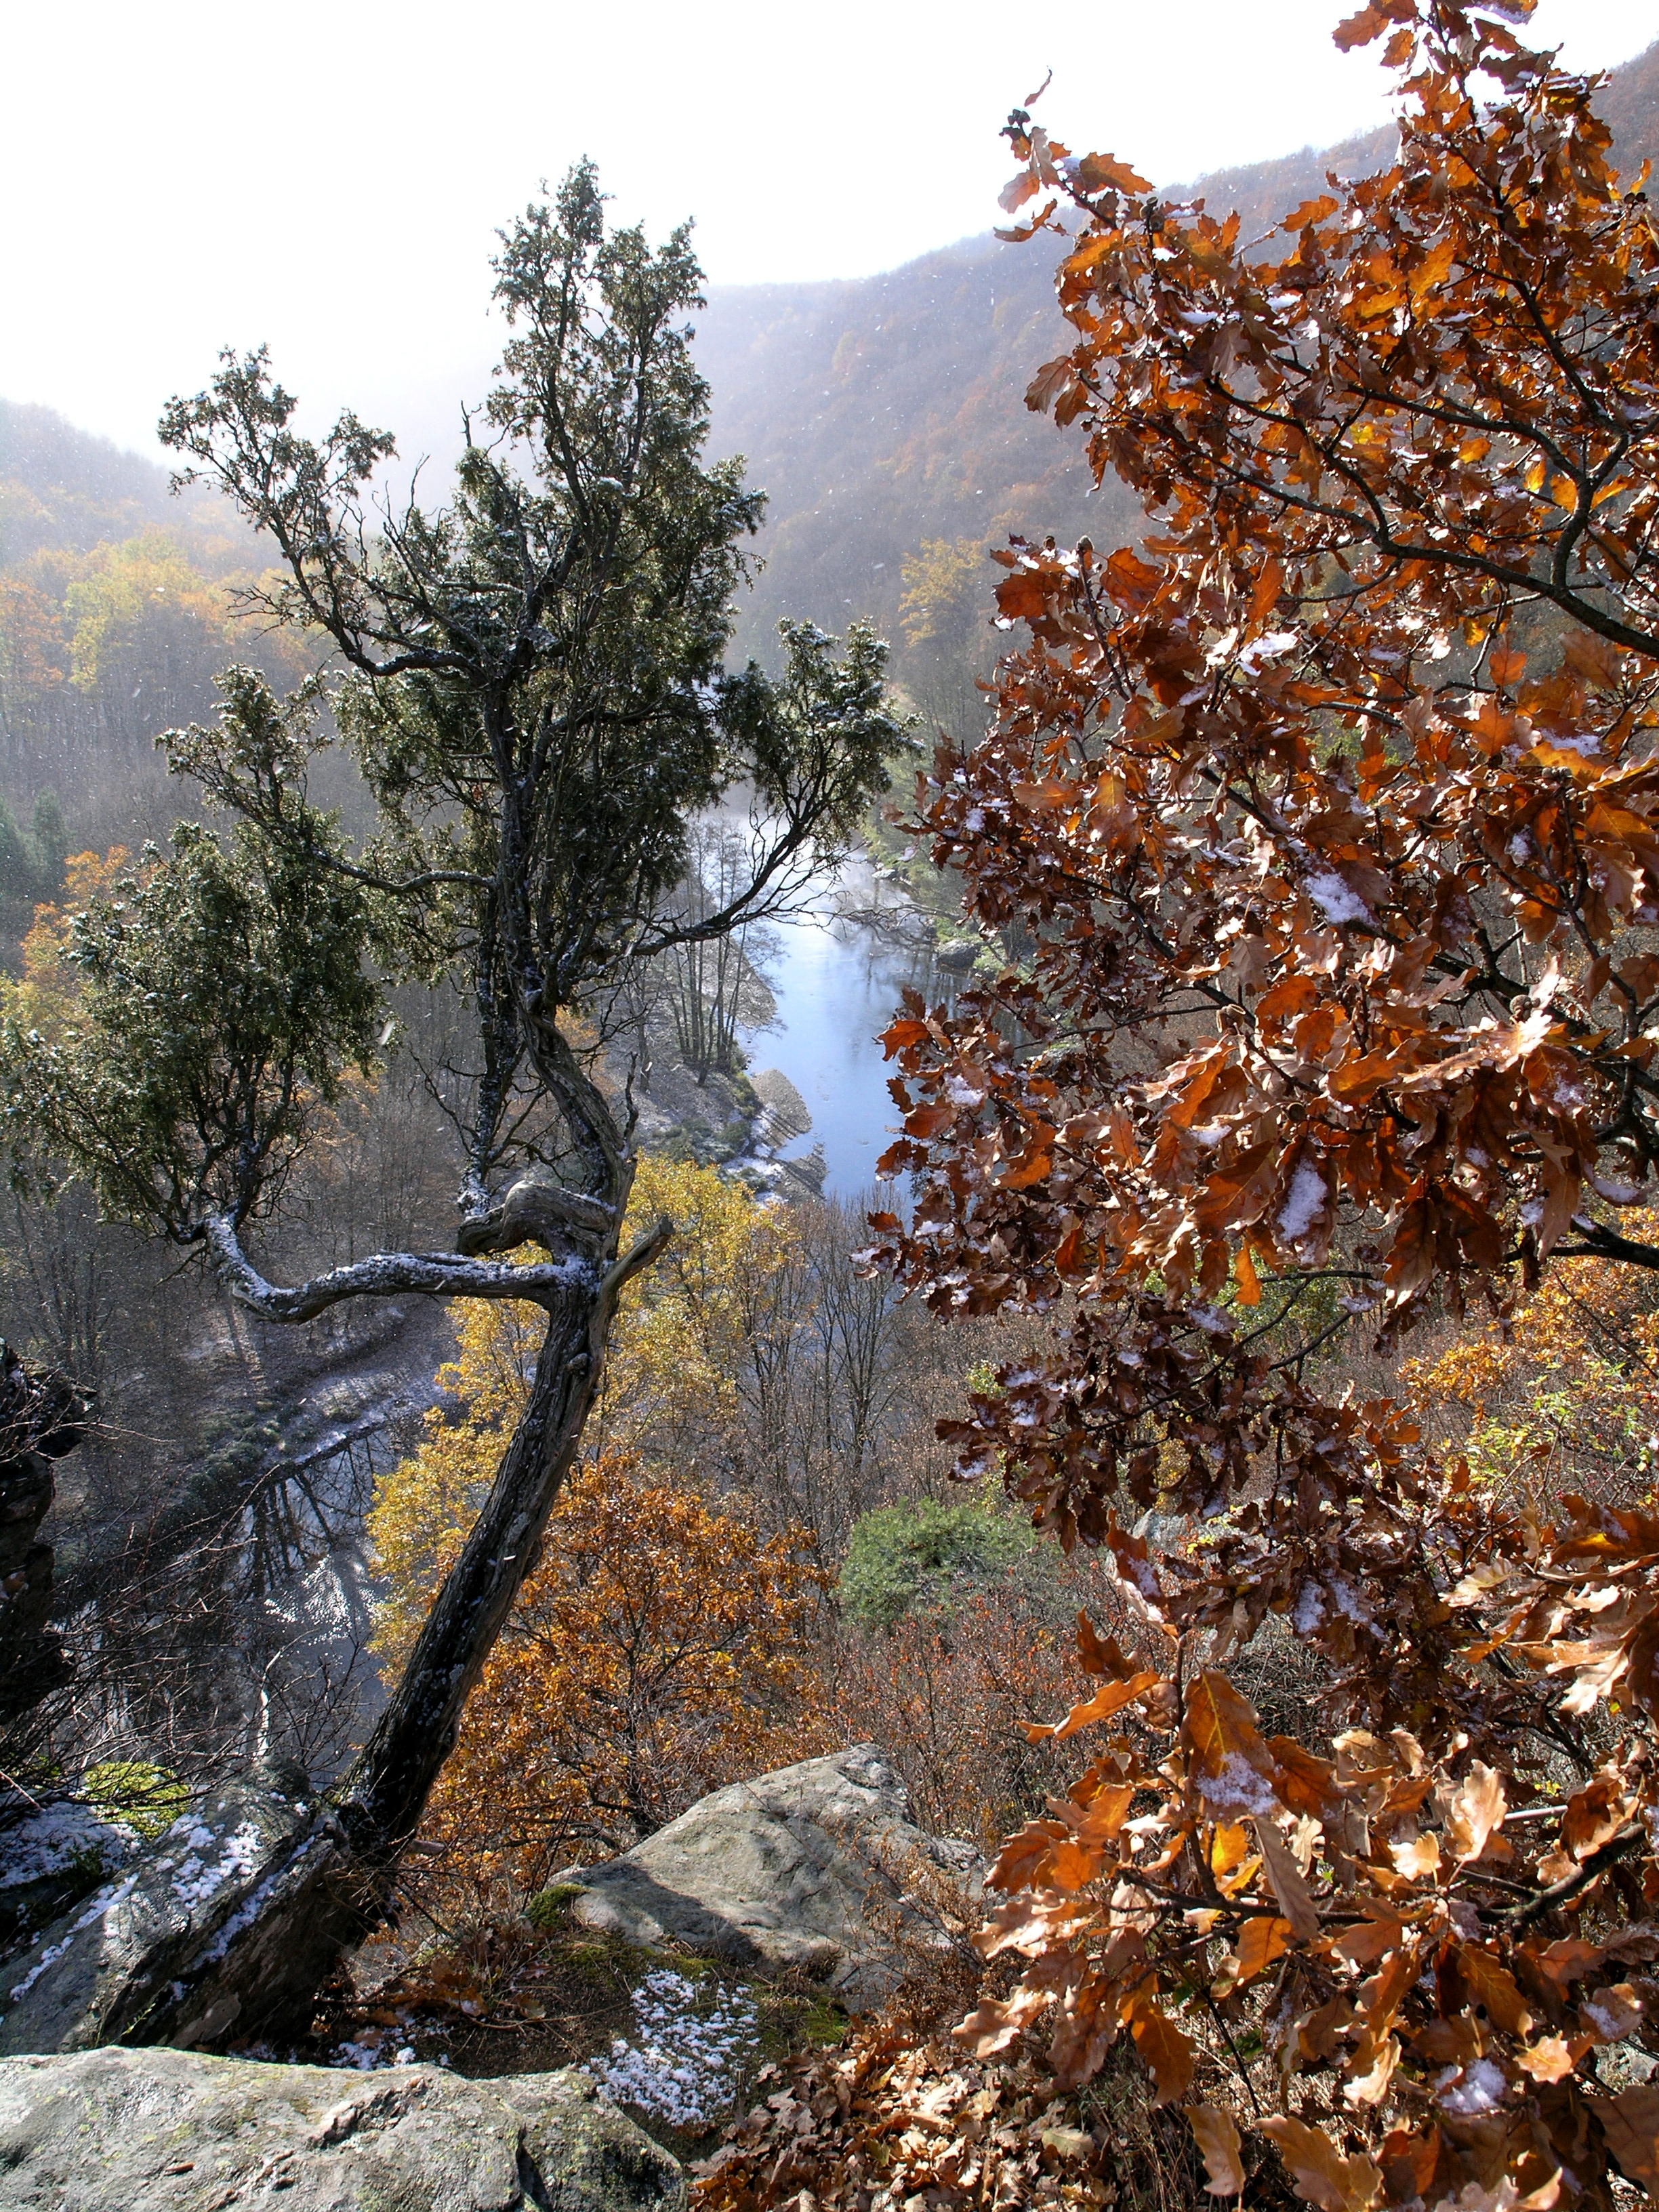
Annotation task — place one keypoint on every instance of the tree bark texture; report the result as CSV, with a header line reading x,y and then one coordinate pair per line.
x,y
329,1884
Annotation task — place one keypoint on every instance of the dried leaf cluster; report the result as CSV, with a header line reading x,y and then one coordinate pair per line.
x,y
1328,822
1373,1939
889,2119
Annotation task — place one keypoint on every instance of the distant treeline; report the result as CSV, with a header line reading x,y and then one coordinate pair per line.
x,y
117,608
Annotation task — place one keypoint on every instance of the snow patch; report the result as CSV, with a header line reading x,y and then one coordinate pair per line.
x,y
105,1902
1339,903
1238,1789
1611,2025
1273,647
1349,1601
685,2066
1480,2089
197,1881
1309,1610
55,1838
248,1912
1305,1202
365,2056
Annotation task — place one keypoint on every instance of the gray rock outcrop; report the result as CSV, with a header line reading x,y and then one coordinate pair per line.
x,y
817,1867
784,1114
155,1936
141,2130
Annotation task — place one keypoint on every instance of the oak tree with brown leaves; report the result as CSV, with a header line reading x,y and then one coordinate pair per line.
x,y
1332,811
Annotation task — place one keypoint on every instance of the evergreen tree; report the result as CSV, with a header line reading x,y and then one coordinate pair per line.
x,y
531,680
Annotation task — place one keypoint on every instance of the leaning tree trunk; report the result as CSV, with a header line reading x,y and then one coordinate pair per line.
x,y
331,1882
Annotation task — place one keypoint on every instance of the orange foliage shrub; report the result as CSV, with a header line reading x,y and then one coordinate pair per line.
x,y
655,1655
1563,1397
45,996
948,1701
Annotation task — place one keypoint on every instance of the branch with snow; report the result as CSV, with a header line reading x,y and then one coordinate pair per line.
x,y
389,1274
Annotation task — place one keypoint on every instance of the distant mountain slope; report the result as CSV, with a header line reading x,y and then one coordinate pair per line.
x,y
877,413
63,487
64,490
115,616
881,412
1631,104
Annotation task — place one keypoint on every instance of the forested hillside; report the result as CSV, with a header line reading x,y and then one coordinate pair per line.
x,y
115,612
63,491
882,413
878,414
482,1451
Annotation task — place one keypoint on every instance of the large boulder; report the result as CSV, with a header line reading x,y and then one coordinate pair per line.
x,y
817,1867
139,2130
148,1956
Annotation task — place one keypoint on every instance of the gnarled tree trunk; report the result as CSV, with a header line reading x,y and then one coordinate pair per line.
x,y
330,1880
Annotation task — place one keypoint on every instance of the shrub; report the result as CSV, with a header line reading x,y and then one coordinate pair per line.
x,y
923,1556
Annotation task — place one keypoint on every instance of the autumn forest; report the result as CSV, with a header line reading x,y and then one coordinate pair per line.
x,y
1102,1650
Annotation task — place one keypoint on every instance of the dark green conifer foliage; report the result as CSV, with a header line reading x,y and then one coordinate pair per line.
x,y
532,679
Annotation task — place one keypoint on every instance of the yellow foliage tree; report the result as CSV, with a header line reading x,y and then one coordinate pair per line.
x,y
1565,1395
655,1652
944,596
145,595
943,610
684,1344
43,996
31,641
125,588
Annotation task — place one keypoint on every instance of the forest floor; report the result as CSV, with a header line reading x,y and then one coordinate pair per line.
x,y
508,1997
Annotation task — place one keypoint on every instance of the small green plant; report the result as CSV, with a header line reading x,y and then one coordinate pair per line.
x,y
923,1557
146,1797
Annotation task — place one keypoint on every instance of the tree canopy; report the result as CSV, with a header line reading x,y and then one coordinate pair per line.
x,y
1345,968
534,690
1330,813
530,680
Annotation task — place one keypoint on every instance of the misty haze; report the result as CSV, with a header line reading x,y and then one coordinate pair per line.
x,y
830,1047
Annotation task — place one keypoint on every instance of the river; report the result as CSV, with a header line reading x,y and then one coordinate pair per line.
x,y
838,984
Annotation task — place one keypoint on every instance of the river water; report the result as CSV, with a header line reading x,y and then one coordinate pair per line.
x,y
838,984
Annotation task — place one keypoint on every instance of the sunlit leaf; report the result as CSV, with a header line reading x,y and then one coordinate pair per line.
x,y
1217,2137
1261,1941
1168,2054
1319,2172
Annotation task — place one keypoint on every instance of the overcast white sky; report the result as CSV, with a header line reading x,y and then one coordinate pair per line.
x,y
328,176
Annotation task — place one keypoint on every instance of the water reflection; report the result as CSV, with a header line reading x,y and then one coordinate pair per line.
x,y
838,984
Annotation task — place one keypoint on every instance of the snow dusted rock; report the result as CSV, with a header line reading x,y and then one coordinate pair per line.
x,y
141,2130
154,1931
784,1115
815,1867
53,1856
